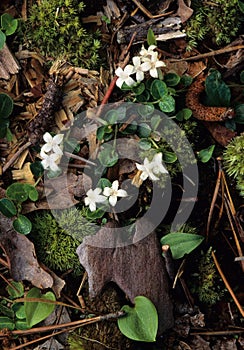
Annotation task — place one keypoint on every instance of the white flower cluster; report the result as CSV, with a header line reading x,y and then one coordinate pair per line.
x,y
51,151
111,193
151,169
147,61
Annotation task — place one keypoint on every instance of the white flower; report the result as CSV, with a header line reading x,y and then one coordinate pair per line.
x,y
114,192
146,53
124,75
93,197
152,64
138,68
149,169
50,161
52,143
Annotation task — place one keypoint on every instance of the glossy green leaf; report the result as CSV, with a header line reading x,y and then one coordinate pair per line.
x,y
21,324
38,311
32,192
6,311
111,116
6,105
169,157
3,130
8,24
155,121
19,310
218,93
184,114
37,169
15,289
6,322
144,130
181,243
139,89
205,154
2,39
158,89
141,321
186,80
103,182
22,225
17,192
171,79
167,104
7,207
108,156
145,110
151,40
145,144
239,114
144,97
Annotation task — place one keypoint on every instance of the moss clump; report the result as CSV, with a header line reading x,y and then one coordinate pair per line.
x,y
206,283
219,20
55,29
233,158
57,238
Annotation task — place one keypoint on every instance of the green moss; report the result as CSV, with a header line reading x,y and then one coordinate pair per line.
x,y
233,159
55,29
57,238
206,283
219,20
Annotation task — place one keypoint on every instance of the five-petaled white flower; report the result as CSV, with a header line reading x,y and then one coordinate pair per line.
x,y
124,75
114,192
138,68
52,143
93,197
149,169
49,161
146,53
152,64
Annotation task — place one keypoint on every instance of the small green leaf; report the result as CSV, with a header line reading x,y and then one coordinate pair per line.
x,y
21,324
139,89
6,311
218,93
15,289
37,169
32,192
145,110
6,105
144,97
145,144
108,156
22,225
7,207
151,40
239,114
71,145
184,114
144,130
2,39
111,116
141,321
241,5
19,310
3,130
158,89
181,243
103,182
205,154
38,311
186,80
167,104
171,79
96,214
155,121
6,322
17,192
8,24
169,157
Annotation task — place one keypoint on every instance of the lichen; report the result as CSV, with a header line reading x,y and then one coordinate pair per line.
x,y
57,238
219,20
206,283
233,160
55,29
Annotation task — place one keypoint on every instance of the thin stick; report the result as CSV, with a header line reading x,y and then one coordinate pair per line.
x,y
227,284
214,333
147,13
16,155
209,54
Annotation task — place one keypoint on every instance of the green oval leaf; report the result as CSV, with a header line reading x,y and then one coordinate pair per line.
x,y
19,310
239,114
205,154
181,243
6,322
169,157
103,182
145,110
38,311
8,24
22,225
218,93
32,192
15,289
2,39
186,80
184,114
144,130
145,144
139,89
7,207
172,79
167,105
6,105
108,156
37,169
158,89
151,40
141,321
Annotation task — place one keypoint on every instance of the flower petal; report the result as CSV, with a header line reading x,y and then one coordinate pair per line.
x,y
58,138
115,185
119,71
153,72
119,82
129,69
143,176
122,193
129,81
113,200
97,190
159,64
57,150
46,148
146,66
54,166
92,206
47,137
100,198
136,61
107,191
139,75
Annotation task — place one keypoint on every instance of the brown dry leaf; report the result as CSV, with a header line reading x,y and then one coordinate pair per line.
x,y
220,133
123,265
179,67
22,256
196,68
184,11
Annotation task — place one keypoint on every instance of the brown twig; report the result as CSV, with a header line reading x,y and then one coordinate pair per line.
x,y
16,155
209,54
148,13
227,284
